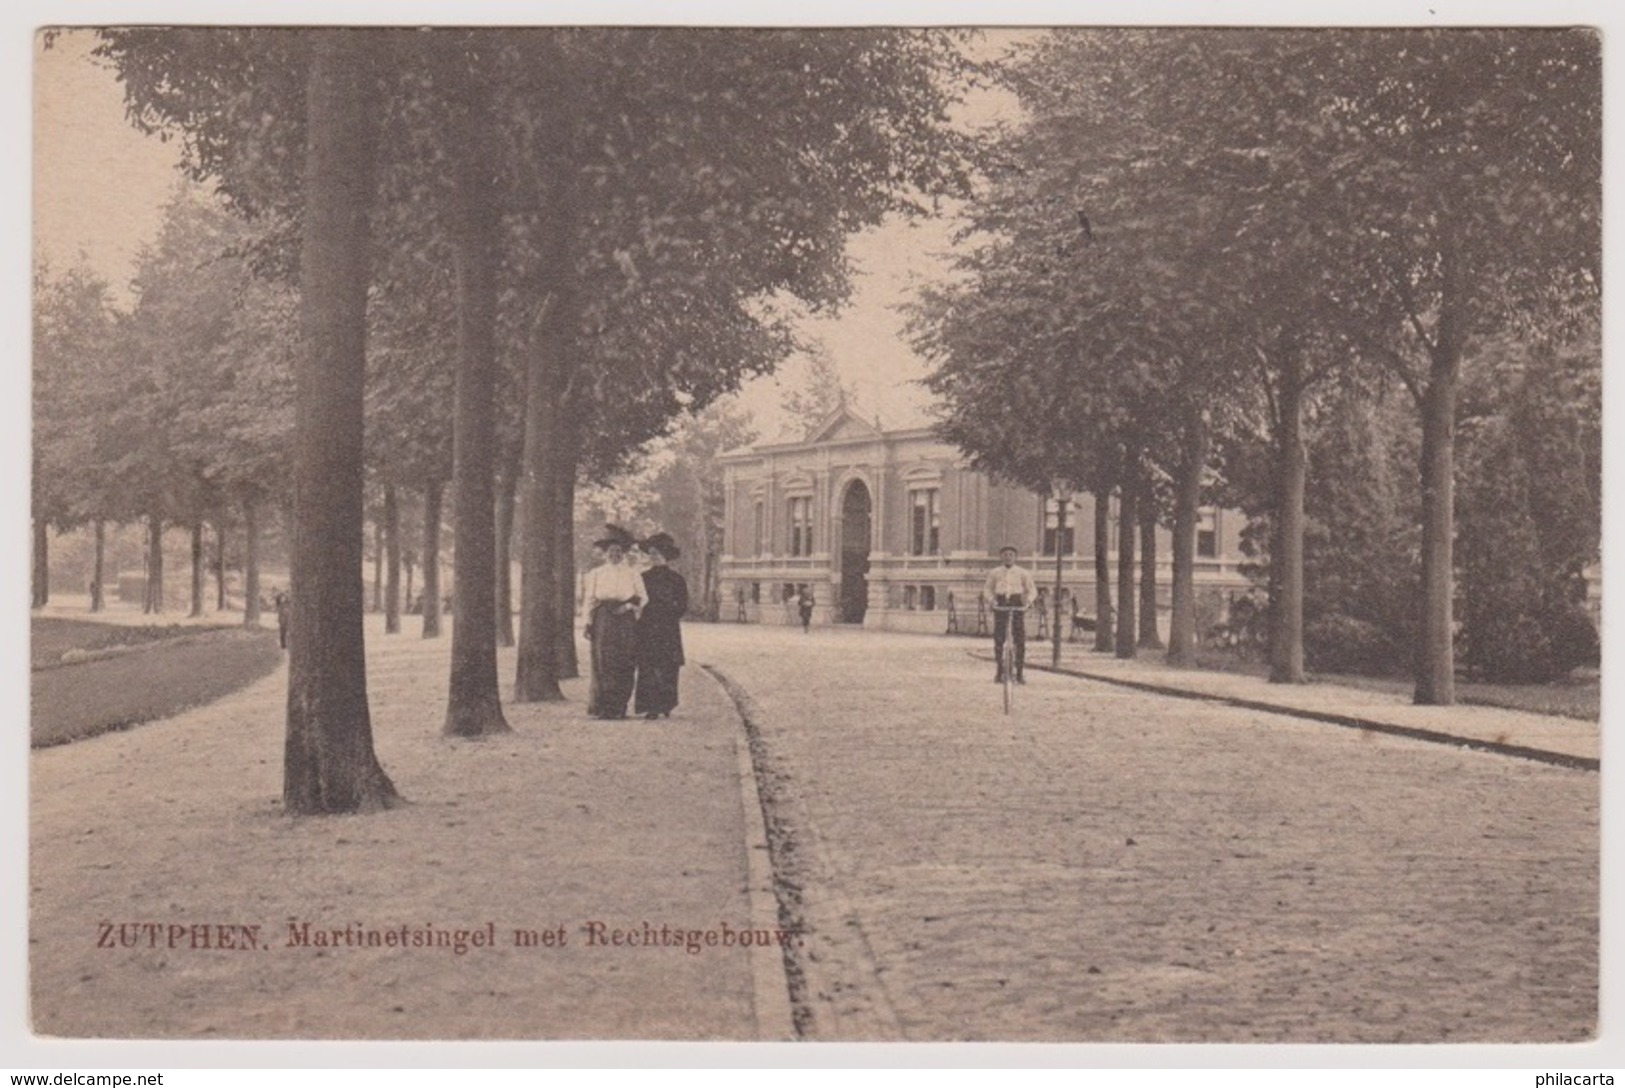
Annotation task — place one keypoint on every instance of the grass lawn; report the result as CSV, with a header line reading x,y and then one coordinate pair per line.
x,y
164,671
51,637
1578,696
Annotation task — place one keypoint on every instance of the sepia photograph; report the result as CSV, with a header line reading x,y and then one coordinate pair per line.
x,y
905,534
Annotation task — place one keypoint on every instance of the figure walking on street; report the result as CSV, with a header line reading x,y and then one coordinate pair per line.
x,y
284,616
660,632
1012,589
612,593
805,605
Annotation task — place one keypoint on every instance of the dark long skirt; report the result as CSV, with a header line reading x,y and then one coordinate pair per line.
x,y
614,644
657,689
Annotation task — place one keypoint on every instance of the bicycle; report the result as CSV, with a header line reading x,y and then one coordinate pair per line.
x,y
1007,656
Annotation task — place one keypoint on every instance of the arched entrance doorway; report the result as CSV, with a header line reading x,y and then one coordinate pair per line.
x,y
855,530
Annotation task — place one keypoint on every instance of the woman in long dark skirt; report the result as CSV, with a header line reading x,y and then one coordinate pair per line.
x,y
612,594
660,632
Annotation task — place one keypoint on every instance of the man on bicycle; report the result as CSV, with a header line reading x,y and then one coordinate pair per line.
x,y
1011,589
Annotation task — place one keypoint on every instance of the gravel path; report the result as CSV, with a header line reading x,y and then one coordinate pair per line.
x,y
564,823
1107,865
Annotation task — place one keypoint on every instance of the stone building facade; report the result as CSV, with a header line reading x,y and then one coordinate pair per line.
x,y
892,529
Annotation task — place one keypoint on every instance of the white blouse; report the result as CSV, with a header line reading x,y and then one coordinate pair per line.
x,y
1009,581
612,582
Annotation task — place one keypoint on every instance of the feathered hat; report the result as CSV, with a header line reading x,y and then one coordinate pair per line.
x,y
662,543
614,534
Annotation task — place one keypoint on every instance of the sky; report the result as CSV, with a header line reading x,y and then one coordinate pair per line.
x,y
101,185
866,339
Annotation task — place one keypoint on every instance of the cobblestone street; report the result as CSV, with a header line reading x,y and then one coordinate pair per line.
x,y
1110,865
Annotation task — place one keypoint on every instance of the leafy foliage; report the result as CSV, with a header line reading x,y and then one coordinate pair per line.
x,y
1530,518
202,407
1182,209
1361,542
720,169
75,334
716,167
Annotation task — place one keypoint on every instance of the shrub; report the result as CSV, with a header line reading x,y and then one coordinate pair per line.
x,y
1335,642
1575,641
1532,645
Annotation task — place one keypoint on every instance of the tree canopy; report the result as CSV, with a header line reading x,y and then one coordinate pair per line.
x,y
1181,212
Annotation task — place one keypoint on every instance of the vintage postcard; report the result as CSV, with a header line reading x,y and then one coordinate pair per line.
x,y
828,533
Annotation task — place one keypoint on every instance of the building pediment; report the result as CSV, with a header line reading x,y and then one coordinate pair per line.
x,y
840,425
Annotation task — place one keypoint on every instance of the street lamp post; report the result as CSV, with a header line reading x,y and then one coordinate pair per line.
x,y
1063,498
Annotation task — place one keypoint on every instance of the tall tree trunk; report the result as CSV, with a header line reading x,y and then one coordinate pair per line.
x,y
155,564
509,476
1128,513
1436,657
98,578
220,564
474,705
1150,637
564,557
1436,665
251,563
1182,633
42,563
506,495
546,624
1058,590
197,569
433,494
329,763
712,609
392,561
537,676
378,565
1286,546
1103,570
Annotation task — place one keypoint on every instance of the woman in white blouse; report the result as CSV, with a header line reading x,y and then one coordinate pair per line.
x,y
612,596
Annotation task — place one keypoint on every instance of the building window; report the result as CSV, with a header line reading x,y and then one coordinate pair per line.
x,y
925,524
761,528
756,593
1052,519
789,592
928,598
910,598
1207,535
801,525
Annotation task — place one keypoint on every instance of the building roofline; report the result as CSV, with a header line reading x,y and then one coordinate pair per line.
x,y
762,449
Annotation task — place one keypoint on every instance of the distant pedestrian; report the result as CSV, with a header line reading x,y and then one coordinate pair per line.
x,y
804,604
612,594
284,616
660,632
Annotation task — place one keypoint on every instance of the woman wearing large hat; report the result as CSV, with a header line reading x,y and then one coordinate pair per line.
x,y
660,632
612,595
